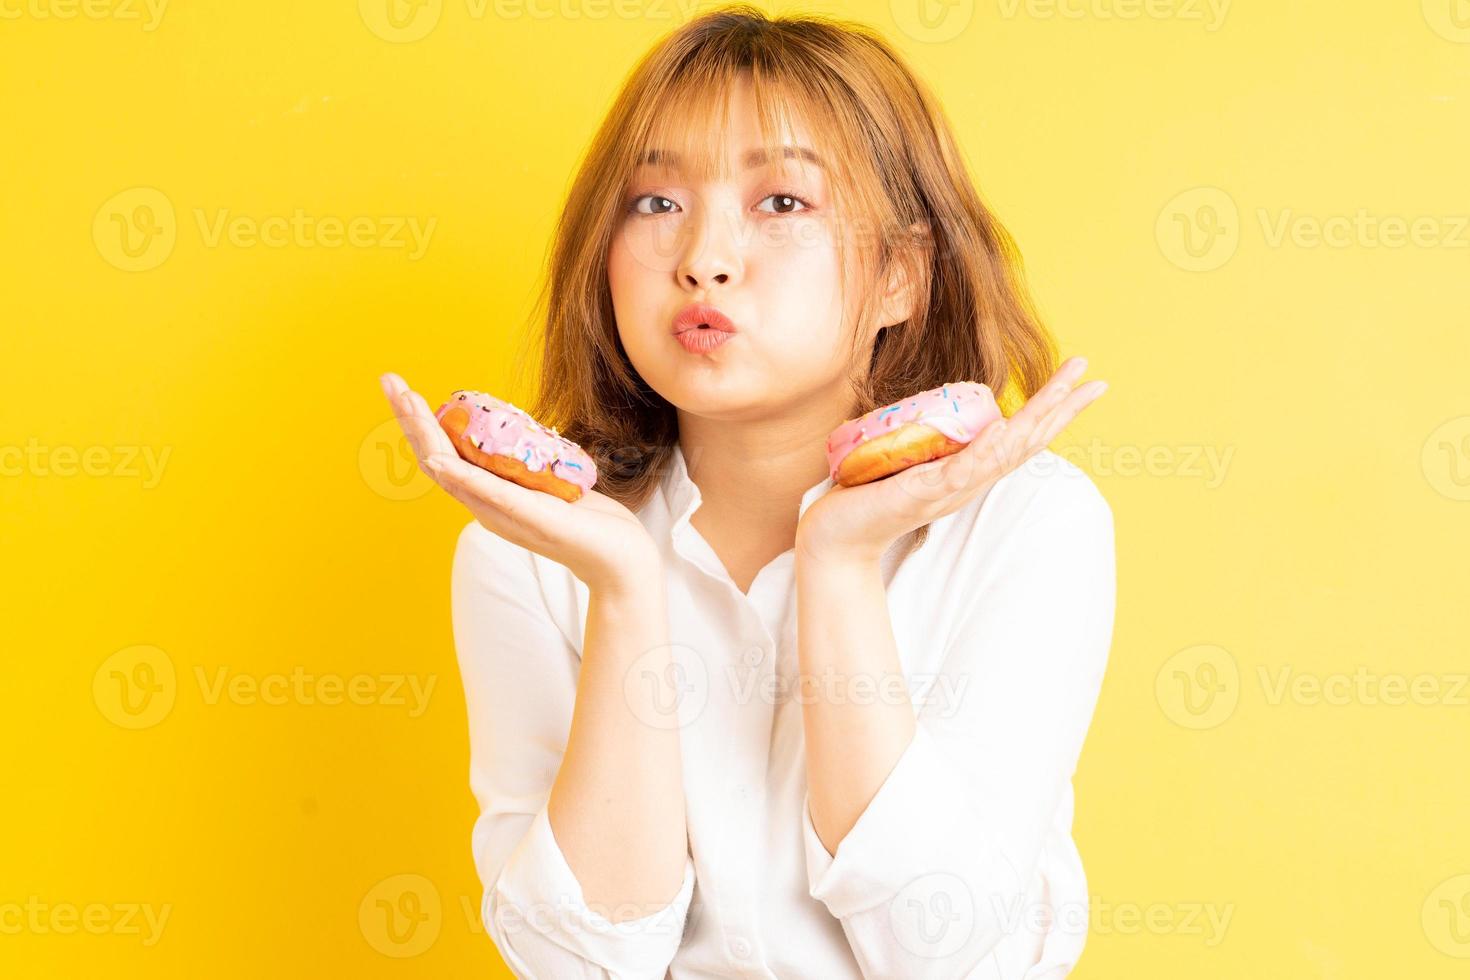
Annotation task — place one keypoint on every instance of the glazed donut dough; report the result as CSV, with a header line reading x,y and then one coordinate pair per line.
x,y
915,430
508,442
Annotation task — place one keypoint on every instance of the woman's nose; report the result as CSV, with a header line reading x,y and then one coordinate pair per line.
x,y
712,254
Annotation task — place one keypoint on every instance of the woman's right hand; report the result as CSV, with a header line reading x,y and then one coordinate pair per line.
x,y
598,539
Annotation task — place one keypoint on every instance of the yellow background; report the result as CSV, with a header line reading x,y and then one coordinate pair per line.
x,y
1328,538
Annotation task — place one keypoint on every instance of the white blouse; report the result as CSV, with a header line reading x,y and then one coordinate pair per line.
x,y
962,864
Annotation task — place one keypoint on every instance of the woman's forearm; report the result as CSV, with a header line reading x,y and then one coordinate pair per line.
x,y
856,712
617,804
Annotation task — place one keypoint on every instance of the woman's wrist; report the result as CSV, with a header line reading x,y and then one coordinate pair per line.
x,y
633,578
812,552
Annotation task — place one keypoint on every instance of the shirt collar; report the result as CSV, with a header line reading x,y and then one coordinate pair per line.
x,y
683,497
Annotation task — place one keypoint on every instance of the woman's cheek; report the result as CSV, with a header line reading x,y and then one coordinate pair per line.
x,y
629,298
650,247
807,264
795,237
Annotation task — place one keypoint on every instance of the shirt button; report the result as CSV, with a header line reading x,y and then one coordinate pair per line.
x,y
740,946
753,656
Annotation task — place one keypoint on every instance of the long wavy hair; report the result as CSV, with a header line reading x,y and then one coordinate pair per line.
x,y
896,172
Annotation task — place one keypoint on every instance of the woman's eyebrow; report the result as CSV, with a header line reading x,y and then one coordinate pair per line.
x,y
754,158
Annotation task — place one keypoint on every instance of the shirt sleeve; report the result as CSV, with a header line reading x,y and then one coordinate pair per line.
x,y
520,680
940,866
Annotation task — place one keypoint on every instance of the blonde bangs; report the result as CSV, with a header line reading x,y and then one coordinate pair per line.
x,y
687,113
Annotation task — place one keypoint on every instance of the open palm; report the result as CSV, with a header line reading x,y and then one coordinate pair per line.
x,y
597,538
861,521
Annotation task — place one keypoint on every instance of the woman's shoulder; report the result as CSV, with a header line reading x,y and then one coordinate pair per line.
x,y
1050,487
479,550
1043,498
486,563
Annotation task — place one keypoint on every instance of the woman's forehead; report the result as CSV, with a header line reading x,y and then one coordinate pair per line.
x,y
750,158
723,130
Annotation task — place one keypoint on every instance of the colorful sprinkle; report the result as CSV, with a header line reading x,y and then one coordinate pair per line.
x,y
959,415
503,429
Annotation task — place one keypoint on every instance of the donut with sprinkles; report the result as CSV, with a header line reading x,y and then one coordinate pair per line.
x,y
926,426
507,441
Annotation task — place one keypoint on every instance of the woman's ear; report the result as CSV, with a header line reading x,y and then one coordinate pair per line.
x,y
908,274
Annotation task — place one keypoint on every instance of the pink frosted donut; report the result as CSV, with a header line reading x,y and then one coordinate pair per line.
x,y
927,426
508,442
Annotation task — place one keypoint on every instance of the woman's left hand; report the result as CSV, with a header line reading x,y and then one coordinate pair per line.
x,y
859,523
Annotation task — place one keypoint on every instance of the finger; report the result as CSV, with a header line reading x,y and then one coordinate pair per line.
x,y
1052,394
978,461
420,427
1006,449
395,388
933,480
392,385
994,444
402,404
471,485
418,435
1064,413
436,439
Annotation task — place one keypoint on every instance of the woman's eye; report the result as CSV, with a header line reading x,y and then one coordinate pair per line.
x,y
785,203
657,202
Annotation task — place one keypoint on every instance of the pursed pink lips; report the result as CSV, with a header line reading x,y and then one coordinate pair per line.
x,y
700,328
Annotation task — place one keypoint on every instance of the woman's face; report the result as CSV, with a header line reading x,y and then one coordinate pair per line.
x,y
761,247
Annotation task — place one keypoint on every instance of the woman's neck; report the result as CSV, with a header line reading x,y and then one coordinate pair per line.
x,y
751,478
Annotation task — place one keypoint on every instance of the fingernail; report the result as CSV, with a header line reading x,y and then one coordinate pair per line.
x,y
1101,389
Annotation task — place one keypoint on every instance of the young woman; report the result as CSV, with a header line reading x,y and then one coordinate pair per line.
x,y
728,718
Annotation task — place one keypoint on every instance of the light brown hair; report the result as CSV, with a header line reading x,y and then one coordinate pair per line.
x,y
896,172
